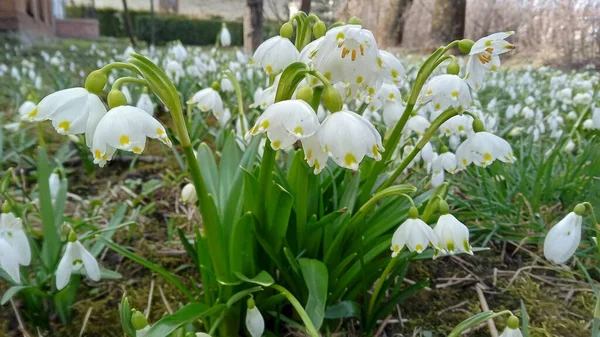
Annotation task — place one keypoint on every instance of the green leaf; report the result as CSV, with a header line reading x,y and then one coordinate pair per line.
x,y
188,246
343,309
289,80
10,292
183,316
109,231
59,203
524,320
228,165
238,296
250,188
242,246
279,208
208,168
52,246
125,314
64,299
263,279
316,279
470,322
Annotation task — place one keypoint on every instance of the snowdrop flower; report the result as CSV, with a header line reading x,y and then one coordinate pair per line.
x,y
286,122
348,137
72,111
427,153
54,182
453,235
174,71
188,194
255,324
494,44
565,95
26,108
179,52
456,125
392,111
75,257
208,99
446,91
394,67
572,115
582,99
145,103
14,246
275,54
349,54
417,124
483,148
307,53
570,146
512,328
226,85
563,239
225,36
446,161
125,128
413,233
588,124
314,154
596,118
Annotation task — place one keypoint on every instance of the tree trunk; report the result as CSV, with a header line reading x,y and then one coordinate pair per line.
x,y
402,8
305,6
448,22
253,25
128,26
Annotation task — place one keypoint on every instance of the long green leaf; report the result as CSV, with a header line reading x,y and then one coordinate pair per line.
x,y
110,229
52,246
183,316
316,279
10,292
343,309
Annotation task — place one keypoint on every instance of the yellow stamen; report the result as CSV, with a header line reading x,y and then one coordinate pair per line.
x,y
137,150
359,80
350,159
33,113
124,140
65,125
276,144
362,50
353,54
487,156
269,69
298,130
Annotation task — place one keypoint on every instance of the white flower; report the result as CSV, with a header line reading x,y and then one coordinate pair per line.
x,y
54,183
255,322
145,103
307,53
565,95
179,52
348,137
417,124
482,149
484,57
509,332
74,258
9,260
226,85
446,91
174,71
453,235
446,161
563,239
125,128
26,108
72,111
596,118
582,99
588,124
392,111
415,234
14,246
427,153
314,154
208,99
275,54
188,194
349,54
264,98
225,36
286,122
393,67
494,44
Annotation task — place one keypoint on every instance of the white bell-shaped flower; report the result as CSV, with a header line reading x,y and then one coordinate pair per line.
x,y
446,161
413,233
75,257
225,36
14,246
255,324
478,65
9,260
392,111
26,108
208,99
125,128
446,91
145,103
482,149
72,111
307,53
417,124
275,54
596,118
314,154
188,194
226,85
563,239
286,122
393,68
494,44
453,235
349,54
348,137
54,183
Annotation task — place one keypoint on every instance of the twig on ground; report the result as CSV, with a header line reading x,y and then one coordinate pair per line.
x,y
85,321
485,307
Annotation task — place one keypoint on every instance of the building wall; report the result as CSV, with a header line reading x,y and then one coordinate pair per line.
x,y
226,9
28,16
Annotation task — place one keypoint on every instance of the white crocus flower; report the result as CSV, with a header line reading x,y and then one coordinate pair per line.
x,y
286,122
72,111
255,324
453,235
349,54
393,68
446,91
125,128
483,148
188,194
208,99
75,257
563,239
348,137
275,54
145,103
314,154
413,233
225,36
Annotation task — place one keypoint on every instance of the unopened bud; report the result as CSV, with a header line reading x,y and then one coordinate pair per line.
x,y
579,209
138,320
319,29
354,21
286,30
513,322
116,98
478,125
465,45
453,68
72,236
332,99
96,81
305,93
188,194
413,212
443,206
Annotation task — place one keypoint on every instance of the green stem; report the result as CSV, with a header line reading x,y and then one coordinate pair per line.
x,y
240,101
310,328
40,133
449,113
578,122
264,179
362,108
380,282
320,77
596,224
122,65
117,84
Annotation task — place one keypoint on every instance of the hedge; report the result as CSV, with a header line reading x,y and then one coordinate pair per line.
x,y
167,27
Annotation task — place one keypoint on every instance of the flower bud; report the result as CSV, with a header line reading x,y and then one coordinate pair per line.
x,y
332,99
286,30
355,21
319,29
513,322
255,324
579,209
216,85
444,208
453,68
188,194
478,125
6,208
305,93
413,212
96,81
465,45
116,98
72,236
138,320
